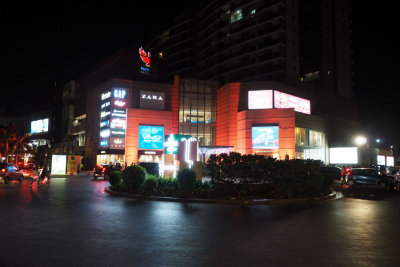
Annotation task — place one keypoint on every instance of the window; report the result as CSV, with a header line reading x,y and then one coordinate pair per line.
x,y
236,16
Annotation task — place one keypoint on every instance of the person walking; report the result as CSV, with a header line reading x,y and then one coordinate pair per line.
x,y
35,176
45,176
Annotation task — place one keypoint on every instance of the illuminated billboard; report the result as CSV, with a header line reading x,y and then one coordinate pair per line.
x,y
261,99
380,160
389,161
282,100
113,105
267,99
151,137
343,155
58,164
40,126
172,142
266,137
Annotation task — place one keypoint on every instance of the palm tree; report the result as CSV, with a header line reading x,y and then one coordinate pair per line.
x,y
18,147
7,137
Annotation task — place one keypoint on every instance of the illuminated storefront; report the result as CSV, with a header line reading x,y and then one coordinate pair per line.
x,y
271,122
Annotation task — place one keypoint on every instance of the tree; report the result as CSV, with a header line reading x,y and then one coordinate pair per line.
x,y
7,137
18,147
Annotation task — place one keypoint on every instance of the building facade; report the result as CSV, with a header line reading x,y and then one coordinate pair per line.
x,y
289,41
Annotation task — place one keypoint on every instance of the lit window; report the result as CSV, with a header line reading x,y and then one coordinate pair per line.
x,y
236,15
253,12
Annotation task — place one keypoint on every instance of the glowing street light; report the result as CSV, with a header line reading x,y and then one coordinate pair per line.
x,y
361,140
378,140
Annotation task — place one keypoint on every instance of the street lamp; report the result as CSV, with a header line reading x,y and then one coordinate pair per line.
x,y
361,140
378,140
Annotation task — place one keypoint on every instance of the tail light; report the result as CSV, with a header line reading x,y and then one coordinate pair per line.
x,y
104,169
347,171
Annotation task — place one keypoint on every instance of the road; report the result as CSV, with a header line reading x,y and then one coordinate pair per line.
x,y
74,222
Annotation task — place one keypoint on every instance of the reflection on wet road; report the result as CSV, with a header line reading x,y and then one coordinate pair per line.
x,y
74,222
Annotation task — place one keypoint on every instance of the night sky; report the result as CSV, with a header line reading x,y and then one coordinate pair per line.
x,y
45,43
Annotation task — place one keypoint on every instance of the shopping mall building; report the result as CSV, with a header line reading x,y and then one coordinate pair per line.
x,y
131,121
123,118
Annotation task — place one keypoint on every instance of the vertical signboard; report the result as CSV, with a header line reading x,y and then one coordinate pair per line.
x,y
113,118
58,164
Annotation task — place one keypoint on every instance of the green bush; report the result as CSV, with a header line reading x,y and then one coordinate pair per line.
x,y
115,179
186,181
167,187
149,186
133,178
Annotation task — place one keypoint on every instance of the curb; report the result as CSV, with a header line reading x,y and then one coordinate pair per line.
x,y
224,201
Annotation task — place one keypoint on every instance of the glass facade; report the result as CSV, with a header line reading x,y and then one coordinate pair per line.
x,y
197,110
310,144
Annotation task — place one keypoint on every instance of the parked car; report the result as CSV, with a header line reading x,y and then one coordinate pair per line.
x,y
331,171
101,171
9,171
368,176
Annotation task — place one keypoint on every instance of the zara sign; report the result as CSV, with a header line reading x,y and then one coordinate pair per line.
x,y
152,100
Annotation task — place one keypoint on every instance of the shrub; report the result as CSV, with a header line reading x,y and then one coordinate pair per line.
x,y
186,181
149,186
167,186
115,180
133,178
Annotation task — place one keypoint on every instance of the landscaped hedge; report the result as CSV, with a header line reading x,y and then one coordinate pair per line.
x,y
259,176
232,176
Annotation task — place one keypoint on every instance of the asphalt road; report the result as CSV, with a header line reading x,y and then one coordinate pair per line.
x,y
74,222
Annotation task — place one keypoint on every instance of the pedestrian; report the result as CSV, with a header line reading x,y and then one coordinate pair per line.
x,y
35,176
45,176
343,175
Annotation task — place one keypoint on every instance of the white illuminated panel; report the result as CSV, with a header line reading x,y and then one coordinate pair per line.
x,y
58,164
261,99
380,160
282,100
40,126
390,161
343,155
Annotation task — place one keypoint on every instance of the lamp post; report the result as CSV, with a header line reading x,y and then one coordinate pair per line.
x,y
360,140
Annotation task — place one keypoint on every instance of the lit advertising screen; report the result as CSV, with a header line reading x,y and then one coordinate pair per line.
x,y
40,126
282,100
261,99
266,137
113,118
151,137
389,161
58,164
343,155
380,160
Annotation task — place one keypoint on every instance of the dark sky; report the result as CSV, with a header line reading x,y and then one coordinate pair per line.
x,y
44,43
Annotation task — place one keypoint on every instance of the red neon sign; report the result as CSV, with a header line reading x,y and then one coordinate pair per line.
x,y
145,57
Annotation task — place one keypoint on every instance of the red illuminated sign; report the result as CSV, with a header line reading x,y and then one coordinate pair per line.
x,y
119,103
145,57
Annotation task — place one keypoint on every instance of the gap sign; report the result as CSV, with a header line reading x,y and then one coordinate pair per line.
x,y
113,118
